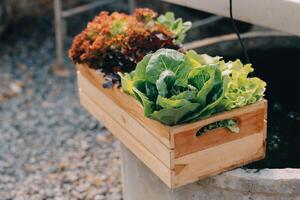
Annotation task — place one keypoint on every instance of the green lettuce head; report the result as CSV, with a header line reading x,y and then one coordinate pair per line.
x,y
175,87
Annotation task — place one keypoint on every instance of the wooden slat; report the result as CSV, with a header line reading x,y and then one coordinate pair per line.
x,y
133,127
218,159
128,104
127,139
250,121
217,117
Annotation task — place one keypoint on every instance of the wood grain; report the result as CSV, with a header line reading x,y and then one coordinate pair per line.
x,y
218,159
129,104
174,153
128,122
219,116
127,139
250,121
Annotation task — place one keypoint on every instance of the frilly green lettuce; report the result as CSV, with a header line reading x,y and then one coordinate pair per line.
x,y
176,26
241,90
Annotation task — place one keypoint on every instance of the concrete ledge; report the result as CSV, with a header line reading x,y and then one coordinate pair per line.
x,y
283,181
140,183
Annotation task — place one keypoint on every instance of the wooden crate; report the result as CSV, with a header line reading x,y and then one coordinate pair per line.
x,y
175,154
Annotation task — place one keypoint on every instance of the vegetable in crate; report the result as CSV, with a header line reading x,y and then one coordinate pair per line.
x,y
176,88
116,42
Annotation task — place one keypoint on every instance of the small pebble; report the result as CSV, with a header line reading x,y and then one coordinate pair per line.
x,y
50,147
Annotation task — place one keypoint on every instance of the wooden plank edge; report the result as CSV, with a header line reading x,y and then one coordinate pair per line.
x,y
259,154
158,130
219,116
250,123
131,143
150,142
258,157
262,104
154,127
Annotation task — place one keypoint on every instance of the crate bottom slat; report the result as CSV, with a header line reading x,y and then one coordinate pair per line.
x,y
213,161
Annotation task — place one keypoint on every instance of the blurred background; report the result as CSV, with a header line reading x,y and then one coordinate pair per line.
x,y
50,148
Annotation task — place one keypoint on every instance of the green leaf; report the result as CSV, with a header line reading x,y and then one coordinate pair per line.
x,y
197,60
140,70
198,77
165,82
151,91
139,90
127,82
161,60
176,26
191,59
172,116
242,90
212,106
182,75
205,79
167,19
171,103
217,86
188,95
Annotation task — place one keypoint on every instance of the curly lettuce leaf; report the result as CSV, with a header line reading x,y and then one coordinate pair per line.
x,y
119,26
176,26
242,90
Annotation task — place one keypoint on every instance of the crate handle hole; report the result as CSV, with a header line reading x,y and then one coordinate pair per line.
x,y
231,124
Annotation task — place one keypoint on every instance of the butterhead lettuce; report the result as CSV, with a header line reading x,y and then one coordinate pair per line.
x,y
175,87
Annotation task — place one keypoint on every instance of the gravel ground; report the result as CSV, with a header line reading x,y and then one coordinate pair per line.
x,y
50,148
